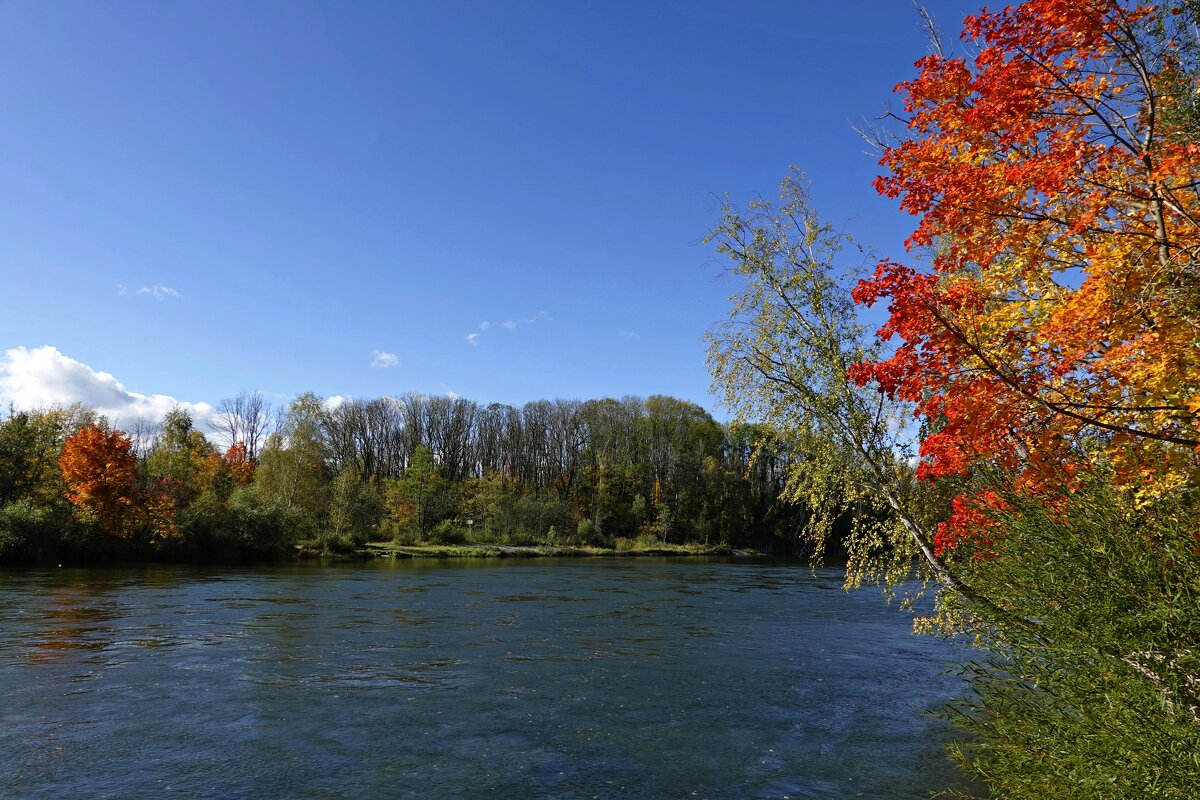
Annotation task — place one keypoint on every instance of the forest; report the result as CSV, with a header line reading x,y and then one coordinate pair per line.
x,y
326,478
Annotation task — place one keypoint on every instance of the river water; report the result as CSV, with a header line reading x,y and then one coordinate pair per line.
x,y
590,678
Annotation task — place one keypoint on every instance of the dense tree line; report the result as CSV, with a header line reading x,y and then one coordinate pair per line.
x,y
412,468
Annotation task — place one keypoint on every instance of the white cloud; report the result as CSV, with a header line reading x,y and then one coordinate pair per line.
x,y
122,290
629,334
508,324
381,359
157,291
332,403
44,377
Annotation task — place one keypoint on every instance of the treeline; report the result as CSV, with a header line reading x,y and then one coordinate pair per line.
x,y
412,468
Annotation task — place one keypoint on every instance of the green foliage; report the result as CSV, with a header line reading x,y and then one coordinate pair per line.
x,y
178,454
292,473
782,359
241,527
420,499
30,444
532,517
356,508
639,511
36,523
502,514
1101,697
644,541
588,534
446,532
27,530
421,469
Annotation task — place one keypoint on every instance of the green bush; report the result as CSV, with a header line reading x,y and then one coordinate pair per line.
x,y
587,534
31,532
242,527
1099,696
446,532
646,540
403,536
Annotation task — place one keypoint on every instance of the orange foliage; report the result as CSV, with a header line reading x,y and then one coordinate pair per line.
x,y
220,474
1059,321
100,470
971,522
159,507
237,459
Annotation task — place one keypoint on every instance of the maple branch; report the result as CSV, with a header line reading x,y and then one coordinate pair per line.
x,y
1057,408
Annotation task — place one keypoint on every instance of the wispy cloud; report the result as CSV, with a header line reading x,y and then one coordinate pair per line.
x,y
508,324
381,359
157,291
629,334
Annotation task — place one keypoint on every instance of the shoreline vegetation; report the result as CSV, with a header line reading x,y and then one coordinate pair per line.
x,y
392,550
424,474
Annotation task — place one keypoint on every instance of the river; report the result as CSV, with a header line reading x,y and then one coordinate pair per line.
x,y
554,678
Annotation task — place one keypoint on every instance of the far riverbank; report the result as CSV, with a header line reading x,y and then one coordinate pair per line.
x,y
393,550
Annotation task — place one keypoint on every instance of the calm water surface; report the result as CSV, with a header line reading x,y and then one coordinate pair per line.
x,y
515,679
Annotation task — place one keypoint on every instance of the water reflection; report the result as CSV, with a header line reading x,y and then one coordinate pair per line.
x,y
476,679
73,620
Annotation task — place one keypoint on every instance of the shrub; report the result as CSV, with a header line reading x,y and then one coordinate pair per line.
x,y
30,532
1100,696
445,532
240,528
647,540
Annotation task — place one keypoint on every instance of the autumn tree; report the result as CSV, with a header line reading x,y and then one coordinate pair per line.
x,y
1050,347
221,474
100,470
1055,184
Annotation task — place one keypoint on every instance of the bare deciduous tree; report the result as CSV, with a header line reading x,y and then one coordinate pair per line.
x,y
245,419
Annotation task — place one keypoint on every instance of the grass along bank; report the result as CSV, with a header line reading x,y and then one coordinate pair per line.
x,y
623,548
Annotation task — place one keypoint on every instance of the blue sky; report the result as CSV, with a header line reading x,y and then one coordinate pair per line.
x,y
202,198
